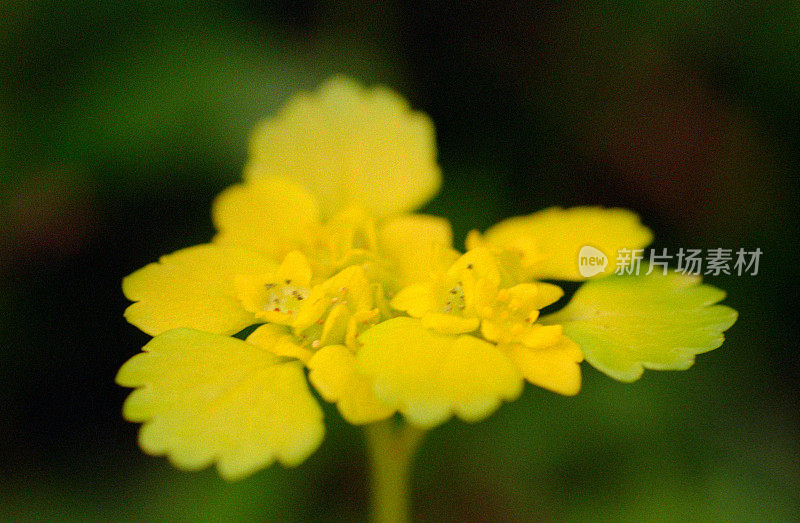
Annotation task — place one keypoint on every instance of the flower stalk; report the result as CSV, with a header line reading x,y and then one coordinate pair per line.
x,y
392,448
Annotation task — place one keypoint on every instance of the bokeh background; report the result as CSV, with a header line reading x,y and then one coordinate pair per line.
x,y
120,121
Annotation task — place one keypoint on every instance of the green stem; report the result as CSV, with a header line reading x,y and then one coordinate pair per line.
x,y
391,450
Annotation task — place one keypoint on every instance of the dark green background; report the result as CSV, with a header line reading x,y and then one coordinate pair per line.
x,y
120,121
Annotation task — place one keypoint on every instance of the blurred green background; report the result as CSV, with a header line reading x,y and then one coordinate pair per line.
x,y
120,121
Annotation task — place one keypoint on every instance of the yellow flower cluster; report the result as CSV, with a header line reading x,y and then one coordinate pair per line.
x,y
349,290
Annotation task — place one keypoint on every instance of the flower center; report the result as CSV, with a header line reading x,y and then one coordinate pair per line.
x,y
285,297
454,302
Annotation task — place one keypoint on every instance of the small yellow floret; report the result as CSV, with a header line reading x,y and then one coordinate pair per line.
x,y
277,296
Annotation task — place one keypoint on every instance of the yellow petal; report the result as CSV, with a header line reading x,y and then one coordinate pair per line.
x,y
416,300
549,241
417,246
479,263
335,326
539,336
276,296
295,270
555,367
333,373
208,398
492,330
271,215
429,376
449,323
348,287
481,297
278,340
193,288
533,296
349,236
509,262
359,322
350,145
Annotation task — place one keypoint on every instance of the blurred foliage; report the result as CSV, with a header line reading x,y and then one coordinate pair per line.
x,y
119,121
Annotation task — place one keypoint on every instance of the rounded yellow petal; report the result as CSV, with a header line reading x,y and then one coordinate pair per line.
x,y
350,145
429,376
555,368
208,398
534,296
333,373
550,241
416,300
271,215
194,288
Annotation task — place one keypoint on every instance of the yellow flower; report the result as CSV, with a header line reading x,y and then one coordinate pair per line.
x,y
469,296
277,296
340,286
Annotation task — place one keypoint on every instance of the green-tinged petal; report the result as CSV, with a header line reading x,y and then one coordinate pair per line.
x,y
549,241
555,367
333,373
271,215
429,376
625,324
350,145
193,288
206,398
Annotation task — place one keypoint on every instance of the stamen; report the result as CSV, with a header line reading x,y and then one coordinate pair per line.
x,y
284,298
